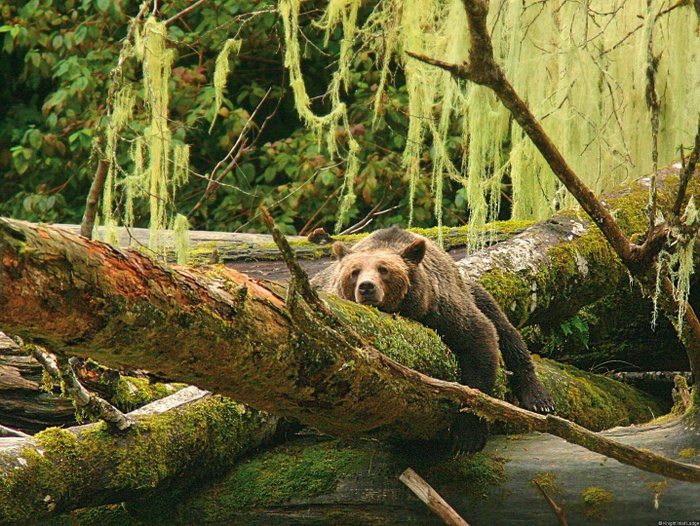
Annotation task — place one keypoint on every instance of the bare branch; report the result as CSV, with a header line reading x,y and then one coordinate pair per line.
x,y
184,12
431,498
98,184
81,396
558,510
687,173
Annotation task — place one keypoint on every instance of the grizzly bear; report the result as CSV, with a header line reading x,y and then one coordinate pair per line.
x,y
400,272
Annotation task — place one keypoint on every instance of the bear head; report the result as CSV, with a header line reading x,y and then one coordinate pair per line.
x,y
380,277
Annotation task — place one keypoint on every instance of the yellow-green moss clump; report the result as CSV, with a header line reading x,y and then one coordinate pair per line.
x,y
596,502
547,481
132,393
200,441
421,348
593,400
688,453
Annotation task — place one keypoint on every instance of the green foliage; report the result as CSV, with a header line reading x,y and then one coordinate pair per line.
x,y
573,332
58,60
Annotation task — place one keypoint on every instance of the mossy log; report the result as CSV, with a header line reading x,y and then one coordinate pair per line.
x,y
123,309
105,468
232,247
187,436
557,266
24,405
338,483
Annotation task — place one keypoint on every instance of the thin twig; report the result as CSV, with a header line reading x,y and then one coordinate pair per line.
x,y
652,100
184,12
558,510
687,173
298,275
65,374
98,184
431,498
239,145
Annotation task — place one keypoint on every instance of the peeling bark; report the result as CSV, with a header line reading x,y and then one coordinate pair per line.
x,y
563,263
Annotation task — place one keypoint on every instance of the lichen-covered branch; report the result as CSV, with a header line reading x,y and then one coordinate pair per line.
x,y
482,68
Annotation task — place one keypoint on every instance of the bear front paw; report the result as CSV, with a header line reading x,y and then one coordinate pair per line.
x,y
534,397
468,434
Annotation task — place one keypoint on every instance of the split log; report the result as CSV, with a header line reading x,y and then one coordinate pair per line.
x,y
24,405
189,435
28,405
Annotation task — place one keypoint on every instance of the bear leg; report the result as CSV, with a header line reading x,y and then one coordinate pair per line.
x,y
472,337
524,383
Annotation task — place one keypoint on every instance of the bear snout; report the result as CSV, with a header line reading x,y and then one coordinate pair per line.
x,y
367,293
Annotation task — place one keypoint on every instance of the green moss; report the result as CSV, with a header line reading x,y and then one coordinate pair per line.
x,y
547,481
688,453
512,292
132,393
592,400
272,478
421,349
213,433
312,472
476,474
596,502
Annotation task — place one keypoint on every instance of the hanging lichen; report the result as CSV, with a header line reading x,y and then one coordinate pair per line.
x,y
182,240
221,71
574,63
159,167
122,112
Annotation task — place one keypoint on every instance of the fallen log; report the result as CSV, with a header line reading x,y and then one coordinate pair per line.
x,y
93,299
562,263
189,435
324,483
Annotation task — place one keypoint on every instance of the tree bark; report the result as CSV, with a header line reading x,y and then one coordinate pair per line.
x,y
121,309
88,298
563,263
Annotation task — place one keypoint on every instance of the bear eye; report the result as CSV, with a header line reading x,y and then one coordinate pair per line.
x,y
383,270
355,273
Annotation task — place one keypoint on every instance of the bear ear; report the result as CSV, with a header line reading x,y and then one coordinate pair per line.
x,y
340,250
414,252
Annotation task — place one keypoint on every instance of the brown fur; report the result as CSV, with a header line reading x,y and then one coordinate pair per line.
x,y
398,271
